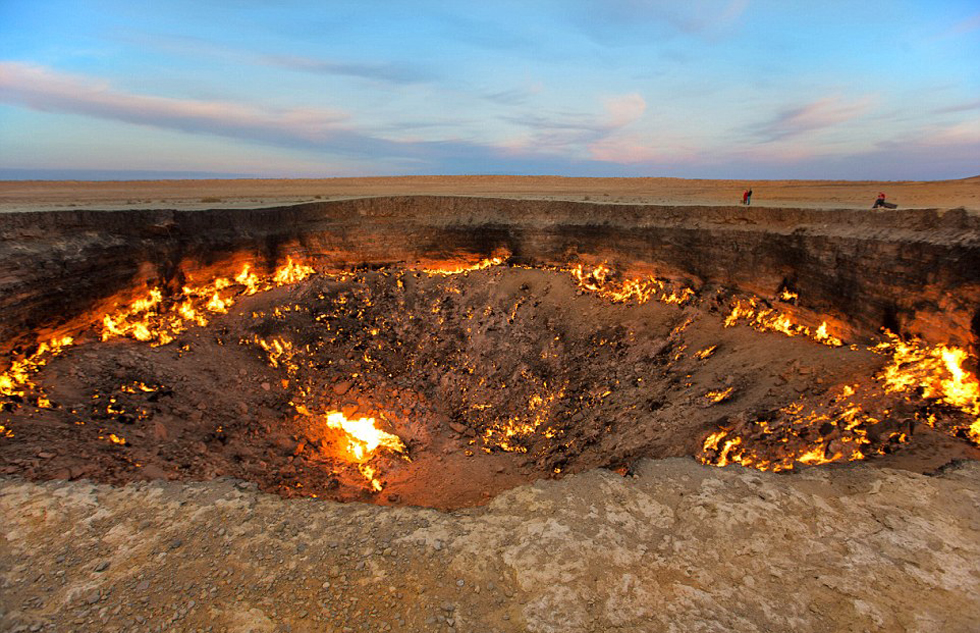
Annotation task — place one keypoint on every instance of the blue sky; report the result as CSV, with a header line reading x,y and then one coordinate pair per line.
x,y
692,88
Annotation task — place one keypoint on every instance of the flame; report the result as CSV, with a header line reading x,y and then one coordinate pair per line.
x,y
508,434
705,353
363,440
16,381
157,319
719,396
291,273
599,281
937,372
772,320
460,269
363,437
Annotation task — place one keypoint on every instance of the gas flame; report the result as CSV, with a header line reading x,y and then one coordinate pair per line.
x,y
363,437
16,381
460,269
937,372
798,438
599,281
363,440
715,397
157,319
771,320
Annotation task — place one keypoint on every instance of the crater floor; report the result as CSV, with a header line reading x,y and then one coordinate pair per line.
x,y
489,379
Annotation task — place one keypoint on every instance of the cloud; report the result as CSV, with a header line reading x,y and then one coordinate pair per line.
x,y
965,26
393,73
328,131
960,107
43,89
397,73
624,109
816,115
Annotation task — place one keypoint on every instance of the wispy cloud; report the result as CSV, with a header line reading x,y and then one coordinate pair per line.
x,y
965,26
43,89
959,107
327,131
557,133
394,73
816,115
388,72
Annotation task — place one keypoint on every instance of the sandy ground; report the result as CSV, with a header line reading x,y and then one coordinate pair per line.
x,y
676,547
207,194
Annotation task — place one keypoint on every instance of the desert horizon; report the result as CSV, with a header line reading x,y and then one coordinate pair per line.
x,y
35,195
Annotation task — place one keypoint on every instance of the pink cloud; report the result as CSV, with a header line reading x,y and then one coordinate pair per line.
x,y
967,25
43,89
819,114
624,109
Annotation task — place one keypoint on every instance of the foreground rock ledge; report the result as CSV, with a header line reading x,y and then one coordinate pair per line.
x,y
677,547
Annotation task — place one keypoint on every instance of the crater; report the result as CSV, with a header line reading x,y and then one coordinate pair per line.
x,y
353,352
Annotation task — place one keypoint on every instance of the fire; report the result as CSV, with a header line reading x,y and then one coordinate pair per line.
x,y
291,273
793,438
16,382
937,371
157,319
706,353
362,440
771,320
458,269
599,281
363,437
715,397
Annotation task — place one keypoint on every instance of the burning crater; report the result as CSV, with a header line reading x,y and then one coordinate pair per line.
x,y
445,381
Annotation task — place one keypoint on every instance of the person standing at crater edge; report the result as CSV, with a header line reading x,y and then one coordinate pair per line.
x,y
747,197
879,201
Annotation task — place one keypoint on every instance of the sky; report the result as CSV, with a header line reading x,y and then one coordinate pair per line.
x,y
744,89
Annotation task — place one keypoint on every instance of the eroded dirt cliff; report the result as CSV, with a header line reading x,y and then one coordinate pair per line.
x,y
914,271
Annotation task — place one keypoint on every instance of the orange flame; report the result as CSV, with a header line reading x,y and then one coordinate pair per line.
x,y
772,320
363,440
460,269
599,281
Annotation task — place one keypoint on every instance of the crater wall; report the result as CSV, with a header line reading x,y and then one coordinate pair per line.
x,y
914,271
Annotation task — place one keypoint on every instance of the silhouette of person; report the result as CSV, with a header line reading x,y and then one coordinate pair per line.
x,y
879,201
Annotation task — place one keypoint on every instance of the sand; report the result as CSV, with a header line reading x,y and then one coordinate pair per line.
x,y
209,194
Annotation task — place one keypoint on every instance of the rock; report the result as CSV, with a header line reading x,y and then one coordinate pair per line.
x,y
341,388
459,428
154,472
160,432
104,565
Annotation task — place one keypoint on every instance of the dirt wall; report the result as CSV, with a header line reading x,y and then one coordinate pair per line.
x,y
916,271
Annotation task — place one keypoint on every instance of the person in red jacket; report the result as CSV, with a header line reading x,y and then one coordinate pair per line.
x,y
880,201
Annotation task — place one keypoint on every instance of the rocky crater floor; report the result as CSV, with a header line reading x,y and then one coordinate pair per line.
x,y
675,546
